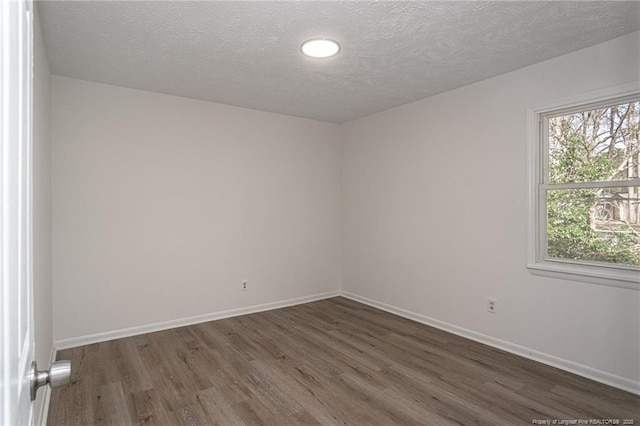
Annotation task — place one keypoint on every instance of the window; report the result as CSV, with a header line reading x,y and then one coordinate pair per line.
x,y
585,193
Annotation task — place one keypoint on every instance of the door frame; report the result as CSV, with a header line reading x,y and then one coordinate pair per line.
x,y
17,341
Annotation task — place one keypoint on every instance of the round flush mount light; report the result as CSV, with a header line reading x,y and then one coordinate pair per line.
x,y
320,48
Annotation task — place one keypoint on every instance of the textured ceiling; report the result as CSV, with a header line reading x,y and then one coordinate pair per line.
x,y
247,53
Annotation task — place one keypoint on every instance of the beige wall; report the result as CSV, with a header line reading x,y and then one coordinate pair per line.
x,y
410,240
42,207
163,205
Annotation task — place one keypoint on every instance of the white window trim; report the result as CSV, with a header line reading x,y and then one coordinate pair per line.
x,y
595,273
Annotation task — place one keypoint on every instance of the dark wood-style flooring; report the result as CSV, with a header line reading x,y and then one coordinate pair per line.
x,y
329,362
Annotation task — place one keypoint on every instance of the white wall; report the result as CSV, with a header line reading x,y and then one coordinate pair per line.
x,y
43,302
435,215
163,205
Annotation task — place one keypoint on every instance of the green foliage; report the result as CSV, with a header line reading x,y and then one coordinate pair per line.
x,y
570,235
571,214
571,162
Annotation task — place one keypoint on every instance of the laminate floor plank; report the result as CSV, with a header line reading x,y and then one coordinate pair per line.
x,y
304,395
145,408
218,408
172,386
365,359
254,412
330,362
327,351
110,406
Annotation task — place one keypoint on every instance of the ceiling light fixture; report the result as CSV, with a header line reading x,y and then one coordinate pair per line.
x,y
320,48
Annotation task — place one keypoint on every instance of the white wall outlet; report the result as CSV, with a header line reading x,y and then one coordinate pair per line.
x,y
492,305
244,286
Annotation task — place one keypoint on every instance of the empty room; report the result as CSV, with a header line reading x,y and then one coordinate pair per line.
x,y
320,213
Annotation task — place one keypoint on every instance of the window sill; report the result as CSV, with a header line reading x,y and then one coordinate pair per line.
x,y
612,277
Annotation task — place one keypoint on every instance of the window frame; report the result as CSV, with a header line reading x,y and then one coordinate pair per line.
x,y
625,276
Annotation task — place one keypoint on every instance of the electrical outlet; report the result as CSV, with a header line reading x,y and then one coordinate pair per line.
x,y
244,286
492,305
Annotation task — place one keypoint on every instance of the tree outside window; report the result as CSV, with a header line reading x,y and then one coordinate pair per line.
x,y
591,184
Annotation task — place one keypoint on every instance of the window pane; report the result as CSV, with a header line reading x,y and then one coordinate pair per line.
x,y
597,145
599,225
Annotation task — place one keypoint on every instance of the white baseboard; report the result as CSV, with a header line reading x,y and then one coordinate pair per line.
x,y
563,364
43,413
181,322
544,358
